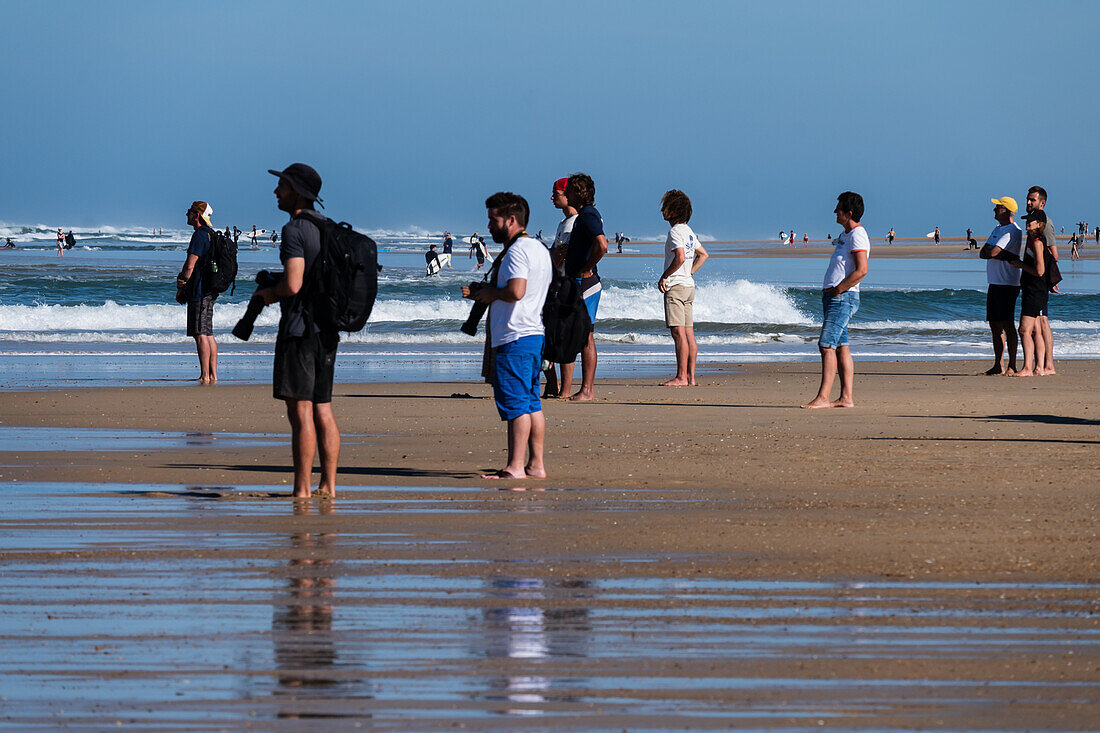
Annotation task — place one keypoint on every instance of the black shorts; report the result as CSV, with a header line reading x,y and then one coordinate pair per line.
x,y
200,316
1000,303
1034,300
304,367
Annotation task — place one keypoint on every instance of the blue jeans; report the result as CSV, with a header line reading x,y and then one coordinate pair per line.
x,y
838,310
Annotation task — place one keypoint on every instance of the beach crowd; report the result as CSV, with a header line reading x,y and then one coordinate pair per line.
x,y
515,292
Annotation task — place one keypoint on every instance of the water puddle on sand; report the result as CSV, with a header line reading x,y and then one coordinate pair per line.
x,y
19,439
153,606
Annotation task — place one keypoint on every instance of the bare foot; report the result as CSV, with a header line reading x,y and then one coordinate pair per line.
x,y
995,370
581,396
1023,373
676,382
301,494
842,403
1049,372
533,472
1011,370
502,473
817,404
326,494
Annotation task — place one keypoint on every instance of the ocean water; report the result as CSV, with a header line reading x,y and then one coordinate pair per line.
x,y
105,312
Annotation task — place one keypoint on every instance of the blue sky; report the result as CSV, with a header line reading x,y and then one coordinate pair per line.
x,y
124,112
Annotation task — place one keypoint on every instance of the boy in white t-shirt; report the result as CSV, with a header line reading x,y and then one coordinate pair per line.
x,y
515,300
840,301
683,258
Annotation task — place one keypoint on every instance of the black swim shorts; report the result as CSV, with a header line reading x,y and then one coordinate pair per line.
x,y
304,367
1000,303
200,316
1034,300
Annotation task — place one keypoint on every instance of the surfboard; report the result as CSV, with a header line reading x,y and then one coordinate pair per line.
x,y
444,260
930,235
248,234
432,268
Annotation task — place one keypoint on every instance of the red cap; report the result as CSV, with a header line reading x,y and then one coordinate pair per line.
x,y
559,185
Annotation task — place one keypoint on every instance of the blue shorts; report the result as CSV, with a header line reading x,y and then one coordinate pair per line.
x,y
516,372
838,309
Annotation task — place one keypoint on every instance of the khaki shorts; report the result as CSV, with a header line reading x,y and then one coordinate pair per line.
x,y
678,304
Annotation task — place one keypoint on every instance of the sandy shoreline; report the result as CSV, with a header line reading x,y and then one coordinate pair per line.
x,y
937,473
708,558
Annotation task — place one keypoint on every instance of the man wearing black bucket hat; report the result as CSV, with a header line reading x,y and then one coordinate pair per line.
x,y
305,355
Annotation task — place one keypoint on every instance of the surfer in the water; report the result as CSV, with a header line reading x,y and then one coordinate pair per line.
x,y
431,257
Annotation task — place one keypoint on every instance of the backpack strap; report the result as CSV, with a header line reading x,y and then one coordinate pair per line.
x,y
309,285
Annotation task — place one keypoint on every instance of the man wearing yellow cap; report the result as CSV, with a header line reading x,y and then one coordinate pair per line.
x,y
1000,250
192,291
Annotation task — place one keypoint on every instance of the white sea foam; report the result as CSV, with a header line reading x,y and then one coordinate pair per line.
x,y
739,301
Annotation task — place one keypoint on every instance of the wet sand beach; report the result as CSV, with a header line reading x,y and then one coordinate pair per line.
x,y
709,557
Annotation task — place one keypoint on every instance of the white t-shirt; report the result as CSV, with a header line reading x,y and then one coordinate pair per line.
x,y
1008,237
680,237
561,239
528,259
843,263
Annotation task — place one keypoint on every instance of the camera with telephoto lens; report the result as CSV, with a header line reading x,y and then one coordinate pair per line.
x,y
477,311
243,329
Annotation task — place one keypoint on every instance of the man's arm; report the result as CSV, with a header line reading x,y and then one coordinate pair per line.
x,y
853,279
700,257
510,293
678,258
599,249
289,284
997,251
188,268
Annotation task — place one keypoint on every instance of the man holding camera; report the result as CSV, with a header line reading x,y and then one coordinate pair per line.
x,y
190,290
515,299
305,356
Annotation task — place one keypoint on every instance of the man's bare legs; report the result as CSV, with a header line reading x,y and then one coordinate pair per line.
x,y
834,361
588,370
1002,332
846,367
1048,343
1031,338
828,374
683,338
308,422
207,349
566,385
525,433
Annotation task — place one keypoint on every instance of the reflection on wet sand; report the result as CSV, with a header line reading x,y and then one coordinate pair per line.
x,y
540,623
301,625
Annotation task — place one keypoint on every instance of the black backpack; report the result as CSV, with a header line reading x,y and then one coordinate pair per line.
x,y
221,264
566,320
344,278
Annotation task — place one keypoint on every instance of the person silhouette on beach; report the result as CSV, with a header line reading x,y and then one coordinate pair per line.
x,y
192,290
840,301
684,255
1002,247
515,299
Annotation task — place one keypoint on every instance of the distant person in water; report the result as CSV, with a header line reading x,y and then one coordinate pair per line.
x,y
274,238
254,235
805,239
60,244
683,258
448,246
840,301
936,235
8,244
890,236
236,234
